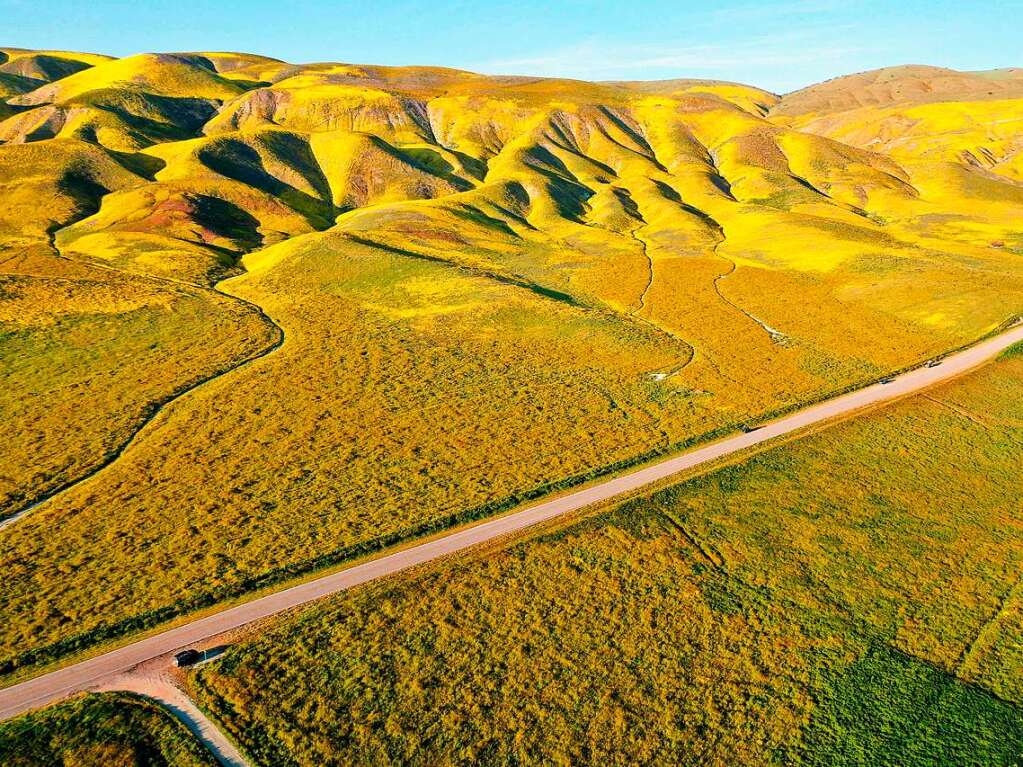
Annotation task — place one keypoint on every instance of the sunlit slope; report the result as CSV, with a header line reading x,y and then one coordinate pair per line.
x,y
124,104
236,65
358,136
121,120
901,85
34,62
660,210
89,353
160,74
48,185
489,287
246,68
211,200
920,114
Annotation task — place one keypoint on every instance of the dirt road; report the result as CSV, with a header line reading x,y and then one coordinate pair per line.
x,y
163,691
90,673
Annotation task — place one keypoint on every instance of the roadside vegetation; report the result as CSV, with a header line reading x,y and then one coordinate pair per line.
x,y
107,729
849,598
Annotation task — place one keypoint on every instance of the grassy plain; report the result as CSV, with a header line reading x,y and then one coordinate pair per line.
x,y
488,289
86,356
849,598
104,730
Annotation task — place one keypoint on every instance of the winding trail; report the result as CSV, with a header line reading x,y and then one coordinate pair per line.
x,y
160,405
776,335
636,314
90,673
650,267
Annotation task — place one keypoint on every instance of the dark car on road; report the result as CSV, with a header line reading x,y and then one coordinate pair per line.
x,y
187,657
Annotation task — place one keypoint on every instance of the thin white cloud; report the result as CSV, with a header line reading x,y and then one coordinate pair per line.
x,y
767,10
597,60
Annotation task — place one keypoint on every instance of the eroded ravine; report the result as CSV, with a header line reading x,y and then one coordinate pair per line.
x,y
776,335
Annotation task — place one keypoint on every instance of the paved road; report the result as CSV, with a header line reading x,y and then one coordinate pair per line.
x,y
91,673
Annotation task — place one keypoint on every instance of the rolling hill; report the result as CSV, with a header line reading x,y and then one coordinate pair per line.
x,y
403,298
920,115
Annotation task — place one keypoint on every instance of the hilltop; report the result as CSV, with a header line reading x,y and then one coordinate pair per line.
x,y
904,85
919,114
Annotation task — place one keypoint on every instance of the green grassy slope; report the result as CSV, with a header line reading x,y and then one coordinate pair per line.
x,y
850,598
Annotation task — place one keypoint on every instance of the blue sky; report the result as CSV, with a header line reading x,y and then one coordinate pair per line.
x,y
779,45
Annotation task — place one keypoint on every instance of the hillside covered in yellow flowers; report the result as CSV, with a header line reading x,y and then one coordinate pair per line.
x,y
258,318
